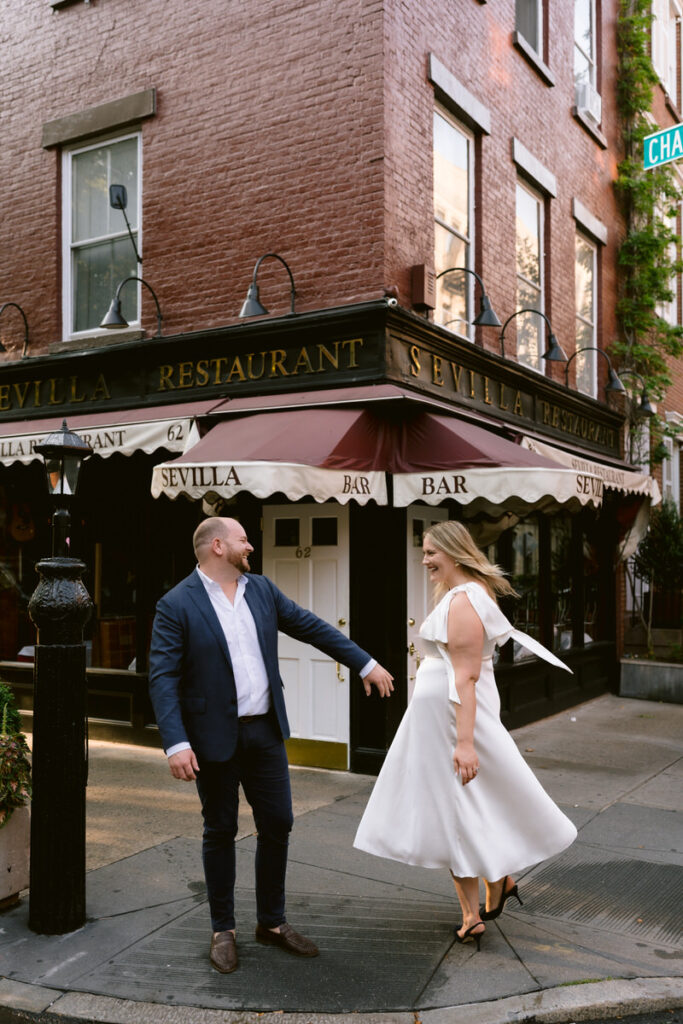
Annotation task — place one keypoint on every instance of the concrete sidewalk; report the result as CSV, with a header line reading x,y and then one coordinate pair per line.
x,y
599,933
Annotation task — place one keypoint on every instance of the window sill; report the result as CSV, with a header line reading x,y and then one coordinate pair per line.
x,y
532,58
590,127
98,339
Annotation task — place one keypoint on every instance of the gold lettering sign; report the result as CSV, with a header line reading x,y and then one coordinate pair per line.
x,y
61,391
483,388
269,364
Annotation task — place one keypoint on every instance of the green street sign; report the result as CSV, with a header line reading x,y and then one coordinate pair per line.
x,y
663,146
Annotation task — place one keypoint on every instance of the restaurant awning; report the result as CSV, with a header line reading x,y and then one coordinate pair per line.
x,y
346,453
618,478
108,433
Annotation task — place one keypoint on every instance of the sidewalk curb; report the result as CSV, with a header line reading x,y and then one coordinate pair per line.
x,y
550,1006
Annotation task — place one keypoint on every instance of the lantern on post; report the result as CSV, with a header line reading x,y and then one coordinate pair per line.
x,y
59,607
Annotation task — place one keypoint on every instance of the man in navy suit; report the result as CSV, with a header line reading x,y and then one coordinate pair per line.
x,y
217,694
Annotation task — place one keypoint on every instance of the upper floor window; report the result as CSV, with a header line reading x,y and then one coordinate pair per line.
x,y
585,60
530,283
453,229
586,318
666,45
529,22
98,253
671,468
668,308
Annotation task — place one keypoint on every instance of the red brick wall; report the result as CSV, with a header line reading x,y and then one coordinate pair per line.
x,y
278,129
475,43
269,136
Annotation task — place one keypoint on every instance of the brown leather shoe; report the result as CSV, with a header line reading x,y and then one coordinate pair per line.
x,y
223,955
287,939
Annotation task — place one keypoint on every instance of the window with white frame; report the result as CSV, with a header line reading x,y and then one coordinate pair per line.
x,y
98,252
666,45
530,284
668,309
529,22
454,222
637,440
585,60
585,282
671,467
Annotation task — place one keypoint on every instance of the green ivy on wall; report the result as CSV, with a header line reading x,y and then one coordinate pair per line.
x,y
648,200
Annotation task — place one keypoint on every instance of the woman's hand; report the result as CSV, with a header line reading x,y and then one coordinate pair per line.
x,y
465,762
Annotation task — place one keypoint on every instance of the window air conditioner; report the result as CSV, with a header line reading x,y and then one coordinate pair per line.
x,y
588,101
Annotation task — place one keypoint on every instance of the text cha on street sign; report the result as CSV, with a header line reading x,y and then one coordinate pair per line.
x,y
663,146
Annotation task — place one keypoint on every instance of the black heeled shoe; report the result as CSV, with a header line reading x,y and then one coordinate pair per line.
x,y
489,915
469,935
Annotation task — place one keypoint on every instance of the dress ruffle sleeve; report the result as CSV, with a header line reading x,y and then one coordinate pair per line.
x,y
497,627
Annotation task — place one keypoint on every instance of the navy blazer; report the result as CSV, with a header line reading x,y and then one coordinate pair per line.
x,y
191,681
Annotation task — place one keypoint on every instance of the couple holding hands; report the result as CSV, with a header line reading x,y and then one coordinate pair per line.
x,y
454,791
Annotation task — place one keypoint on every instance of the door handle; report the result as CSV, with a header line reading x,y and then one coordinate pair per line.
x,y
341,622
340,677
411,622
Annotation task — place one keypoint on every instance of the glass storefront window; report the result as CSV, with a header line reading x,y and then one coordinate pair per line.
x,y
561,581
524,576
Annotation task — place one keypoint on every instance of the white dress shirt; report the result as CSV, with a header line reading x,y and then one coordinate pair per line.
x,y
248,666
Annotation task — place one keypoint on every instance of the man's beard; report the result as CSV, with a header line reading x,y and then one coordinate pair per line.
x,y
240,562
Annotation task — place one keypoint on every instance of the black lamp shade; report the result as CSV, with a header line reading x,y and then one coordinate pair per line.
x,y
613,382
554,352
114,319
251,305
486,316
63,452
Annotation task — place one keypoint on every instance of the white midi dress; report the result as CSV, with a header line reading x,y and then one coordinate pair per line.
x,y
419,812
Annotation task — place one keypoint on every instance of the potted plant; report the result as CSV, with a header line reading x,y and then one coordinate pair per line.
x,y
15,794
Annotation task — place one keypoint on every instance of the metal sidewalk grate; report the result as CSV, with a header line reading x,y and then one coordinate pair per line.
x,y
376,954
635,897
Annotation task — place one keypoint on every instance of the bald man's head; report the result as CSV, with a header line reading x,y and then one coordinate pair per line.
x,y
208,530
233,550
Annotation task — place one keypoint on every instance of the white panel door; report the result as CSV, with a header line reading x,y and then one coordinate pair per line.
x,y
306,553
419,519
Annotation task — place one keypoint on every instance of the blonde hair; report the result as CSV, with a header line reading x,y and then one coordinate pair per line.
x,y
455,540
206,532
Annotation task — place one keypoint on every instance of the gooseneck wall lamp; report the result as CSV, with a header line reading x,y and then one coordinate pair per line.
x,y
252,305
554,352
643,408
5,306
114,320
485,317
613,382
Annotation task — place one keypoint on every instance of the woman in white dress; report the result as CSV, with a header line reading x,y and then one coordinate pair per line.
x,y
454,792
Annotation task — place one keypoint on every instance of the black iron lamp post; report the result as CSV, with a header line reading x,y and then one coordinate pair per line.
x,y
59,608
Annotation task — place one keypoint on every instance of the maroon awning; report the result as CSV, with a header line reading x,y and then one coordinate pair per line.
x,y
346,453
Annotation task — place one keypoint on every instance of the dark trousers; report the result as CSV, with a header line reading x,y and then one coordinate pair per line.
x,y
260,764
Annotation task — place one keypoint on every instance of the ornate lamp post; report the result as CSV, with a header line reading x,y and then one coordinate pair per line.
x,y
59,608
